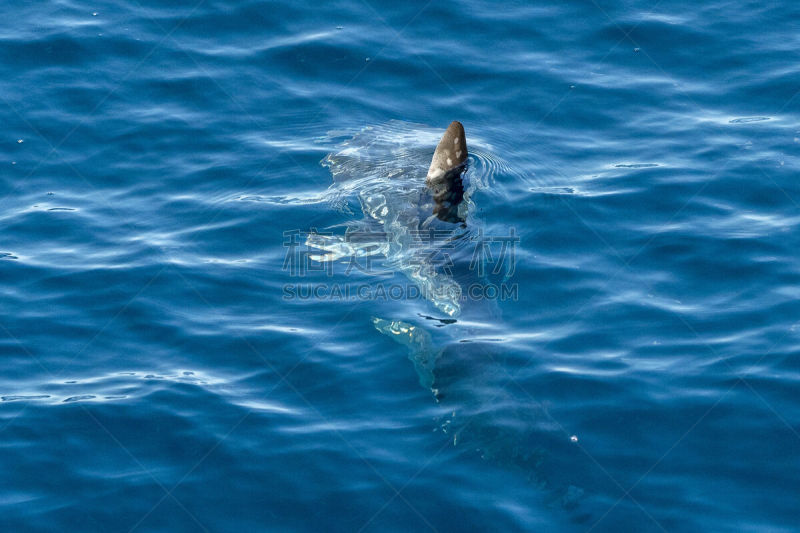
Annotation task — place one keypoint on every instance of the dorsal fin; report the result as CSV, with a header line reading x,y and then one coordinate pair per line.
x,y
451,152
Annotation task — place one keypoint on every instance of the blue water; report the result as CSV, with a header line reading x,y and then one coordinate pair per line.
x,y
155,376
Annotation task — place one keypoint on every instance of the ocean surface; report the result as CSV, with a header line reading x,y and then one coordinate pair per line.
x,y
194,338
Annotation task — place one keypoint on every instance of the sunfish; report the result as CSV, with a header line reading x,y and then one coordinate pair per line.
x,y
416,224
